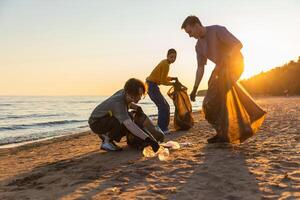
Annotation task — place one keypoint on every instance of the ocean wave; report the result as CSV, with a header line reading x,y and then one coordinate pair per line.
x,y
52,123
5,104
85,126
28,116
88,101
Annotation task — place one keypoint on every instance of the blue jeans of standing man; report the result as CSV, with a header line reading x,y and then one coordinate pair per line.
x,y
162,105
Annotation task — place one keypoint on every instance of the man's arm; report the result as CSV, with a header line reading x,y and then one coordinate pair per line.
x,y
199,75
134,129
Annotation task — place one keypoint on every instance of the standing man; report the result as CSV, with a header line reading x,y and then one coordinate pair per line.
x,y
159,76
230,110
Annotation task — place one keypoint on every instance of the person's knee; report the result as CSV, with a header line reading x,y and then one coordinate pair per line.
x,y
94,126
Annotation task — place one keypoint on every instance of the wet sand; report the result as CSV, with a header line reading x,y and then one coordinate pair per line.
x,y
266,166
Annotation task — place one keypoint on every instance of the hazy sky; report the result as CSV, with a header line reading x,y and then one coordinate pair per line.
x,y
61,47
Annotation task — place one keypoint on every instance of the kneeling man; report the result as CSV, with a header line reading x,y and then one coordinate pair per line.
x,y
111,120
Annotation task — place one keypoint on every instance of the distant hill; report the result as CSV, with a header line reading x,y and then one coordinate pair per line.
x,y
282,80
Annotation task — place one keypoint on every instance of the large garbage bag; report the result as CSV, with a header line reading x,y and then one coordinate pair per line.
x,y
146,124
183,116
228,107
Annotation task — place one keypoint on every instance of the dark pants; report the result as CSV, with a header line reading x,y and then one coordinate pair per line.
x,y
162,105
108,124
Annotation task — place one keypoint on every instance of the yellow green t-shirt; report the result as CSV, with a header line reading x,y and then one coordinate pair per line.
x,y
159,75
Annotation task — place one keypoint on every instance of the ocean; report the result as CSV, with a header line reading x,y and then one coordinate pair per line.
x,y
30,118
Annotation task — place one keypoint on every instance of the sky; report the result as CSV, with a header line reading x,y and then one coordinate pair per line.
x,y
77,47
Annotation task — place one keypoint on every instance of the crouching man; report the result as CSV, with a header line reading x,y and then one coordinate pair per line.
x,y
111,120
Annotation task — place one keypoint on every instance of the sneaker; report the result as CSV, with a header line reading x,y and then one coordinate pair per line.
x,y
116,146
167,132
110,146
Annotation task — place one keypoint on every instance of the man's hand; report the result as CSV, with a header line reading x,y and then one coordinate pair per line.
x,y
152,143
193,95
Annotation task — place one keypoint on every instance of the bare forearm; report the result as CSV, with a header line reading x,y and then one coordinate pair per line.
x,y
199,75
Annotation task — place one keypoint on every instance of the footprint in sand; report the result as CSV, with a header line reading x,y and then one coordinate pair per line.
x,y
28,180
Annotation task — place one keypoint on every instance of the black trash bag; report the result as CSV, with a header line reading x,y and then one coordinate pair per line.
x,y
146,124
228,107
183,117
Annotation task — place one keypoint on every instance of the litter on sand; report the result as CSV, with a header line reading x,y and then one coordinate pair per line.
x,y
163,152
171,145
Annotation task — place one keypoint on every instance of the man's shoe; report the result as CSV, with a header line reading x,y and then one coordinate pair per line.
x,y
108,146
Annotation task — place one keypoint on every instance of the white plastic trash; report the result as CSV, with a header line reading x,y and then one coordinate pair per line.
x,y
171,144
163,154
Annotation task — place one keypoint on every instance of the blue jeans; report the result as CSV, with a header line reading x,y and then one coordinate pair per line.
x,y
162,105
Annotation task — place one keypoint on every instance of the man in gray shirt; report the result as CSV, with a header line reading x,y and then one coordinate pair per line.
x,y
226,106
111,120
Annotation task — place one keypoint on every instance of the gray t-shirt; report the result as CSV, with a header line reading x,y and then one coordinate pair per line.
x,y
216,42
116,105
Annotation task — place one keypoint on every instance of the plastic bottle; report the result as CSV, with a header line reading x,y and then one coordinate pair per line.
x,y
163,154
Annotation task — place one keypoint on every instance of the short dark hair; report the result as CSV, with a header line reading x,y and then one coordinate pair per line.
x,y
132,87
171,51
190,20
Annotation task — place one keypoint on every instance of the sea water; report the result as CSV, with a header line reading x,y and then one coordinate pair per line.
x,y
38,117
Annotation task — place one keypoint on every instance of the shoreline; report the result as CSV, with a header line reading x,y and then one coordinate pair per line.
x,y
15,147
32,142
68,135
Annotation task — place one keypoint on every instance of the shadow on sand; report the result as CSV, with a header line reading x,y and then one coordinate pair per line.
x,y
200,171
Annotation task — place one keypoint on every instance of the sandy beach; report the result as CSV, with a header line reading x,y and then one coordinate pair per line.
x,y
267,166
